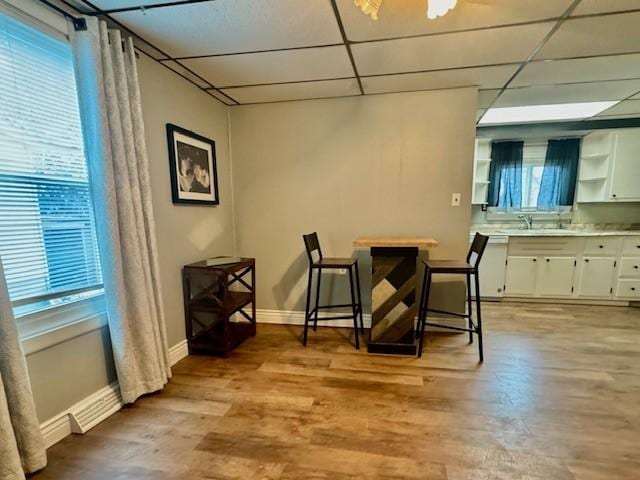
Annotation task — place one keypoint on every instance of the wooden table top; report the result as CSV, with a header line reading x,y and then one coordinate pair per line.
x,y
390,241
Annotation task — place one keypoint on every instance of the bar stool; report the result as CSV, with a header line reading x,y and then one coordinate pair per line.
x,y
468,267
312,245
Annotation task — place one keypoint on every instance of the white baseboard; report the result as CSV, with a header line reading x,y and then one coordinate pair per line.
x,y
95,408
287,317
55,429
84,415
178,352
567,301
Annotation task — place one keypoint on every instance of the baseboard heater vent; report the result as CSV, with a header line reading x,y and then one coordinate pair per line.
x,y
92,410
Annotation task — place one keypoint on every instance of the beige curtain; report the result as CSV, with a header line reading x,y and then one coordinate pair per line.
x,y
21,444
110,108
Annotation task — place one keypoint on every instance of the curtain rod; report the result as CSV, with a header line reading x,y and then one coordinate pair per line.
x,y
78,22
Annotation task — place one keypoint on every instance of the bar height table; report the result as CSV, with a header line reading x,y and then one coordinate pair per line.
x,y
394,303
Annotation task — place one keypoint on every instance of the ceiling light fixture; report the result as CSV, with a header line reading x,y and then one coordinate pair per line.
x,y
435,8
544,113
369,7
439,8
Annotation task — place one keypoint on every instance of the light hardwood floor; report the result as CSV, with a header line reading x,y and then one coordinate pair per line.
x,y
558,397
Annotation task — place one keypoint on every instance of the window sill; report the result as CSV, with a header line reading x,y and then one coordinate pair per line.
x,y
512,215
46,329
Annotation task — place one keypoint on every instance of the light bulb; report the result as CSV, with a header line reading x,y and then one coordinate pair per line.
x,y
438,8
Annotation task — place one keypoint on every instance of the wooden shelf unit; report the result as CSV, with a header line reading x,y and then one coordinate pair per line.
x,y
216,298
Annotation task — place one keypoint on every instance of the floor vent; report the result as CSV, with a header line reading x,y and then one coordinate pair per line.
x,y
94,409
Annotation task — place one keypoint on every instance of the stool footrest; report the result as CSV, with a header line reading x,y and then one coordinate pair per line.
x,y
451,327
455,314
338,317
334,306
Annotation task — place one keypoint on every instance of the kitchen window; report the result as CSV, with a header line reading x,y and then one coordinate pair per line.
x,y
48,239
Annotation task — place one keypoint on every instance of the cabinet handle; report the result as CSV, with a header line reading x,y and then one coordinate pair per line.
x,y
600,246
633,289
535,259
635,266
613,195
547,260
586,259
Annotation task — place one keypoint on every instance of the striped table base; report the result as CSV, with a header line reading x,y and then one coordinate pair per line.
x,y
394,303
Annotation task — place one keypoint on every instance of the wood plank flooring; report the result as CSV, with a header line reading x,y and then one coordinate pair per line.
x,y
558,397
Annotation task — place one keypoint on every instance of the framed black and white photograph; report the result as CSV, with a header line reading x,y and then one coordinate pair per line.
x,y
192,162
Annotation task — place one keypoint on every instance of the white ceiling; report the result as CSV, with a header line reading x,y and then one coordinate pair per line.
x,y
517,52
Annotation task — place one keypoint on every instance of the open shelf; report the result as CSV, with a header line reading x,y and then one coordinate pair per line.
x,y
233,301
593,179
595,156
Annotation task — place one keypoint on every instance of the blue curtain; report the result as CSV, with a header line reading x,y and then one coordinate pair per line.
x,y
505,175
558,184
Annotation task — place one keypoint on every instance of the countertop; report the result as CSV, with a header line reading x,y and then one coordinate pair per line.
x,y
552,232
387,241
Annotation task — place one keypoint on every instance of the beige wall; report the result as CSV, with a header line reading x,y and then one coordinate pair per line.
x,y
68,372
378,165
185,233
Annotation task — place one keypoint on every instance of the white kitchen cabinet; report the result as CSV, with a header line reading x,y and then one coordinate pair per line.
x,y
555,276
628,289
596,277
630,267
610,166
520,276
625,173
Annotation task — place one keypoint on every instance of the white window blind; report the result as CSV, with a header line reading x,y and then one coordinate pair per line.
x,y
47,231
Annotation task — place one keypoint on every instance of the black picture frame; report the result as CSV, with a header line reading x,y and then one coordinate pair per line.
x,y
192,166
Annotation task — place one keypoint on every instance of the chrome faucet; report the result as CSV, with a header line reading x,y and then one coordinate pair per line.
x,y
528,220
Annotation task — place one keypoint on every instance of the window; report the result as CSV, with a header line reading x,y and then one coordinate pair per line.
x,y
47,230
533,175
533,155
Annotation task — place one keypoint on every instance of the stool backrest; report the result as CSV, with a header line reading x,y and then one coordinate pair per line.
x,y
476,250
312,244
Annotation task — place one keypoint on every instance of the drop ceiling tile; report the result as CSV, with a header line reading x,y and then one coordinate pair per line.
x,y
589,7
626,108
230,26
274,67
486,97
605,35
295,91
568,93
409,17
615,67
450,50
483,77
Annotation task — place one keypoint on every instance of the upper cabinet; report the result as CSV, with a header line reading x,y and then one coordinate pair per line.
x,y
625,174
610,166
481,165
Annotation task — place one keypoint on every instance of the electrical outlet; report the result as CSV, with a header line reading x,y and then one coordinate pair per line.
x,y
455,200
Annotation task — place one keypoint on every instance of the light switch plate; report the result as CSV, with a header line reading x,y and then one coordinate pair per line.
x,y
455,200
